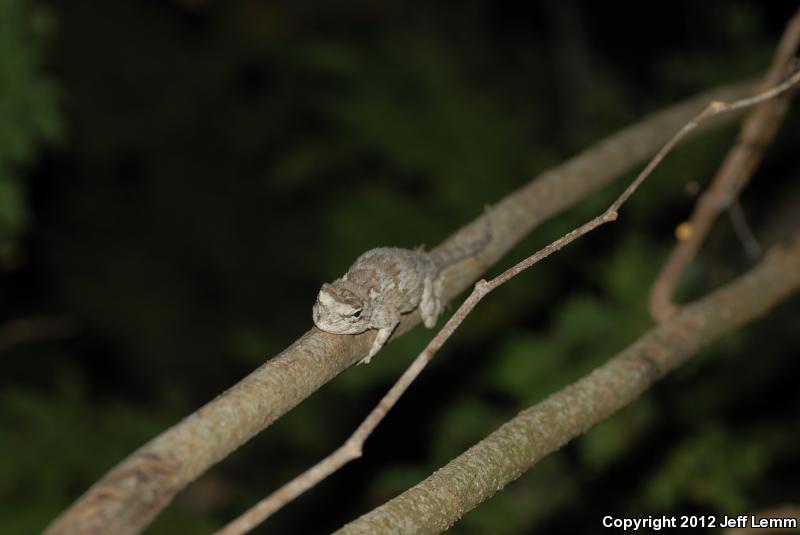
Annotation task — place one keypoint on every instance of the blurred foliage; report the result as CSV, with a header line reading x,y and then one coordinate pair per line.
x,y
28,111
31,488
221,160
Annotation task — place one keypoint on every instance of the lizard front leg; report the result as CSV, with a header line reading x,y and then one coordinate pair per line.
x,y
389,324
380,339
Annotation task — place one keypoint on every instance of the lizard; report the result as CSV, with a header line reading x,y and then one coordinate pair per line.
x,y
385,283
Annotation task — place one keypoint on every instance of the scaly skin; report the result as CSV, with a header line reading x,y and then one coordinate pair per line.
x,y
384,283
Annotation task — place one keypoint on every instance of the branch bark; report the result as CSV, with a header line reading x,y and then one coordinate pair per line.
x,y
130,496
439,501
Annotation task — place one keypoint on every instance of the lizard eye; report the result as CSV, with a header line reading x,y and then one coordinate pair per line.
x,y
357,313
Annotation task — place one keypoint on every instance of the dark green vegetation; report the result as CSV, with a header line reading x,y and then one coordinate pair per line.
x,y
178,181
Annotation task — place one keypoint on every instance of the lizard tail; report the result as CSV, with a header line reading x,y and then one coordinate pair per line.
x,y
448,256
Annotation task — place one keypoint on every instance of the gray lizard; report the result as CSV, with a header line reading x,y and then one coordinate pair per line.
x,y
384,283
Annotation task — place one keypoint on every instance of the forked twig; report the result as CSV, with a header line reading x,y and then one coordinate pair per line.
x,y
353,447
758,129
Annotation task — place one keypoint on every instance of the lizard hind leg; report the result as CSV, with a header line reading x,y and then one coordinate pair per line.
x,y
432,302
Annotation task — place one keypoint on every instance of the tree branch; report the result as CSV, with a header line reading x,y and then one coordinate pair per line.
x,y
130,496
758,129
352,448
439,501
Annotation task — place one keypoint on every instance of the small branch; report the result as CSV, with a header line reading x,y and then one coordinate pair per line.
x,y
131,494
758,130
352,448
439,501
743,231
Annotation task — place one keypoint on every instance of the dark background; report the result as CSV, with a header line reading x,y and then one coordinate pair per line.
x,y
178,178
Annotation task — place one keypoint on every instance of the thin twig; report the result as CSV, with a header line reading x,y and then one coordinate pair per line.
x,y
353,447
758,129
743,231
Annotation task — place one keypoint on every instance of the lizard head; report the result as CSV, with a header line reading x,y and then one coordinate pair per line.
x,y
339,311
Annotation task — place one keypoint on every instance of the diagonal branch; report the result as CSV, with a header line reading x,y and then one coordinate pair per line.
x,y
758,129
353,447
444,497
130,496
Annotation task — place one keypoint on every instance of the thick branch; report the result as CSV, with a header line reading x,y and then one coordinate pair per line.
x,y
438,502
129,497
